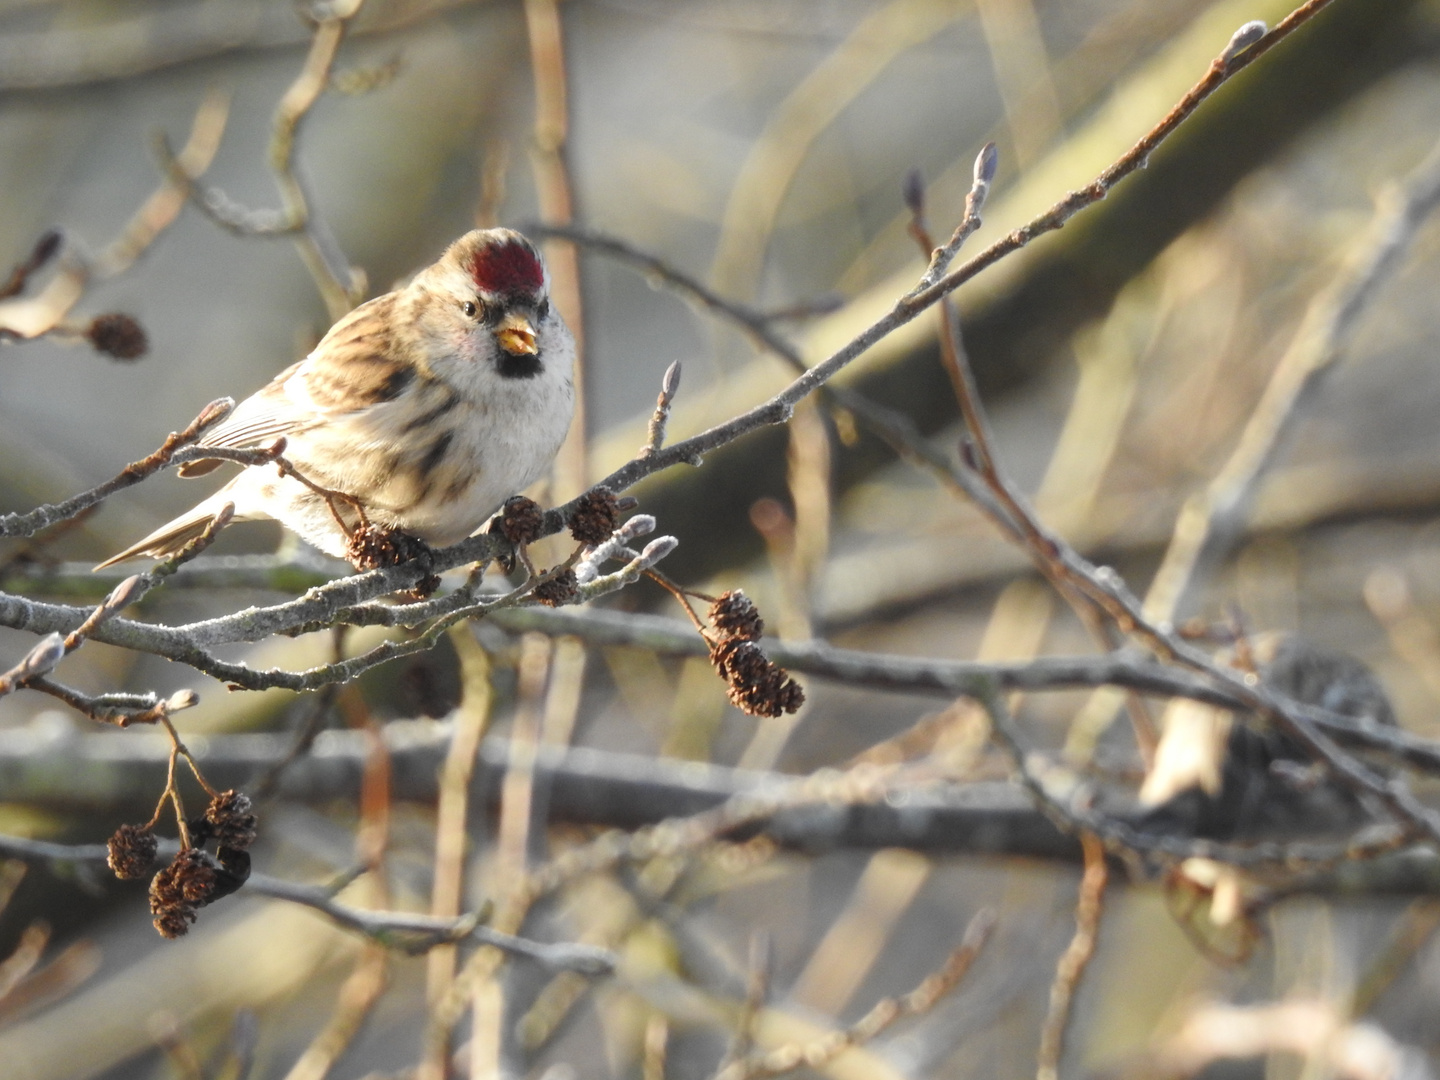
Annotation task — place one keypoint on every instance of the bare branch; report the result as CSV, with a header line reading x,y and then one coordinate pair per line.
x,y
413,933
1211,518
44,516
883,1015
1089,906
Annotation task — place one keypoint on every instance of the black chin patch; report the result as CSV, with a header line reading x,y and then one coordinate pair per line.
x,y
524,366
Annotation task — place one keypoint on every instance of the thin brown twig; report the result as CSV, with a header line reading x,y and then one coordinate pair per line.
x,y
676,591
883,1015
555,190
452,810
42,517
339,283
44,250
1089,907
1019,521
1210,519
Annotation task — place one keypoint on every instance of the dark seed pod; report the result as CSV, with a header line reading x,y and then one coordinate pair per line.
x,y
117,335
595,516
558,591
231,820
520,520
132,851
734,615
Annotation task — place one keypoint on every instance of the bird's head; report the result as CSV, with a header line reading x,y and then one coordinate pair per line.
x,y
496,294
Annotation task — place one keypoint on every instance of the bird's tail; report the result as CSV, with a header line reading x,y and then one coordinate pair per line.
x,y
172,537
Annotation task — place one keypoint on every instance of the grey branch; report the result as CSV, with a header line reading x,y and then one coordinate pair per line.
x,y
629,791
418,933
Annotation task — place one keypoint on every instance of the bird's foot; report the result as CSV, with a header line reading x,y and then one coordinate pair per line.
x,y
373,547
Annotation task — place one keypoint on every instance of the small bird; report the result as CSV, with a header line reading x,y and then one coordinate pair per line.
x,y
429,406
1219,778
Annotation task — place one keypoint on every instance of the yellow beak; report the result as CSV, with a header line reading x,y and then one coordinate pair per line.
x,y
516,336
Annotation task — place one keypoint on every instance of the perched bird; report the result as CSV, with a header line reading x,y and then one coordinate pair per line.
x,y
1221,779
1218,777
429,406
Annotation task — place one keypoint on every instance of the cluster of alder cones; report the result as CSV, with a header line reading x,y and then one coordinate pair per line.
x,y
195,877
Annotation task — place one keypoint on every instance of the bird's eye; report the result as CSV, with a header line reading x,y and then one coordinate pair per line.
x,y
542,309
468,307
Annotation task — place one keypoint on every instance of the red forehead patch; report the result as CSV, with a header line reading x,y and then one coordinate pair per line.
x,y
507,267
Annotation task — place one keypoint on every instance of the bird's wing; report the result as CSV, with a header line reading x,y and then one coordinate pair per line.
x,y
348,372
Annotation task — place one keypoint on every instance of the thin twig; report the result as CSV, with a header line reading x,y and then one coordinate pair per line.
x,y
1071,969
983,176
1210,519
555,191
339,284
668,387
414,934
884,1014
42,517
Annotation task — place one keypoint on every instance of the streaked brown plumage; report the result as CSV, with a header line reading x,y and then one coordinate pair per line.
x,y
429,405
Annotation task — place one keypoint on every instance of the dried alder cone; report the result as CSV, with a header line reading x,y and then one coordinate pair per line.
x,y
520,521
195,877
372,548
230,820
756,686
132,851
595,517
117,335
559,590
